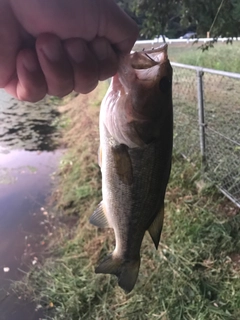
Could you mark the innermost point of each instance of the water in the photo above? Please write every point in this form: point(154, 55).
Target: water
point(28, 126)
point(26, 166)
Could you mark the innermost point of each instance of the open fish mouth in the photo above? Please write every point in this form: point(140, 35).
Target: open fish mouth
point(154, 56)
point(144, 64)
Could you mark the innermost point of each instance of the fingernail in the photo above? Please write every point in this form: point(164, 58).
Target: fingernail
point(53, 51)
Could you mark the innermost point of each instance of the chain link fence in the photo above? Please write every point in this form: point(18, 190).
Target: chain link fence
point(207, 123)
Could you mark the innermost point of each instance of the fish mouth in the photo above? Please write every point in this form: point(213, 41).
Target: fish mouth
point(146, 59)
point(143, 65)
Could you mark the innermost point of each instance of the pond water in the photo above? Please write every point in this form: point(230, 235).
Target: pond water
point(28, 160)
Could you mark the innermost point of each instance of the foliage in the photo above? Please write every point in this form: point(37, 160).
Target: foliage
point(175, 17)
point(158, 17)
point(220, 17)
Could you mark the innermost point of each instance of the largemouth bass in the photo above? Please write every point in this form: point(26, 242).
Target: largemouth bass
point(136, 129)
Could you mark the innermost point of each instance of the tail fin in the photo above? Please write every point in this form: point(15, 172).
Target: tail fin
point(126, 271)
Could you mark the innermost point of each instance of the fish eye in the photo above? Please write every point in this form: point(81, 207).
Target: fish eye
point(165, 84)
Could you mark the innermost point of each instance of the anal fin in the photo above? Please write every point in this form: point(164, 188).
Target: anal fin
point(98, 218)
point(155, 228)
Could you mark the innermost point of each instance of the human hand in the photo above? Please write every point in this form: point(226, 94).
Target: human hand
point(58, 46)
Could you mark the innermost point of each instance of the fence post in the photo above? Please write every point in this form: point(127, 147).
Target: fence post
point(201, 112)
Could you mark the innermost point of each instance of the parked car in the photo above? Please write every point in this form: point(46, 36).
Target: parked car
point(189, 35)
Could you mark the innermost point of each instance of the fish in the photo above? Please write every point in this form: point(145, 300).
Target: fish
point(136, 137)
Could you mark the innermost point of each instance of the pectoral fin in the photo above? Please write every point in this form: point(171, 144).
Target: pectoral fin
point(123, 164)
point(155, 228)
point(98, 218)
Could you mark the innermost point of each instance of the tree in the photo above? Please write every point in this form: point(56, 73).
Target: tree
point(175, 17)
point(156, 16)
point(220, 17)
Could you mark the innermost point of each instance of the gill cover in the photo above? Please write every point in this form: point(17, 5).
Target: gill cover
point(137, 98)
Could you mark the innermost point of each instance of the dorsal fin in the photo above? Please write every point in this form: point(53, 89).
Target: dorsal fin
point(155, 228)
point(98, 218)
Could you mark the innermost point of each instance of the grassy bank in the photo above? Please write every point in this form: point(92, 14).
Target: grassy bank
point(221, 56)
point(195, 274)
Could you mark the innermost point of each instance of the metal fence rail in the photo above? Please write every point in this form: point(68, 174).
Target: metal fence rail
point(207, 123)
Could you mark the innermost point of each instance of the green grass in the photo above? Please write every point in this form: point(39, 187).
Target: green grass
point(221, 57)
point(193, 276)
